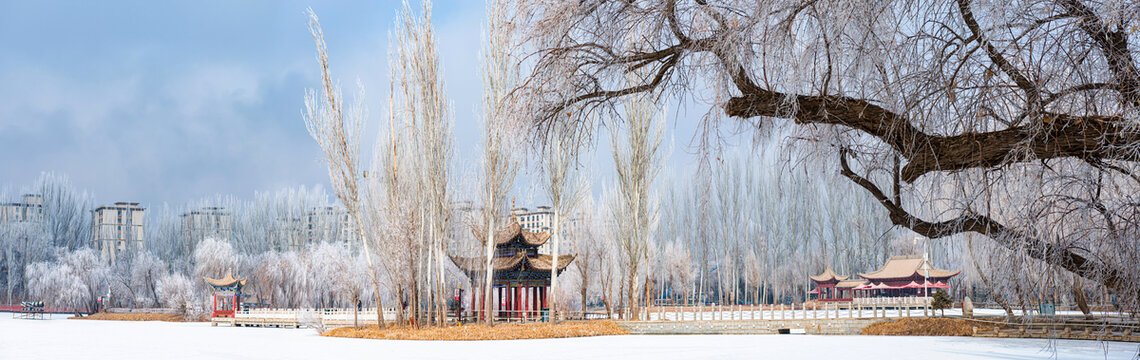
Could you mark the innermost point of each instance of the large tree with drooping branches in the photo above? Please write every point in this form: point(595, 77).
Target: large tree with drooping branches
point(1018, 121)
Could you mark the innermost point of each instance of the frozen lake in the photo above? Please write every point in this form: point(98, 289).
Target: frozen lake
point(120, 340)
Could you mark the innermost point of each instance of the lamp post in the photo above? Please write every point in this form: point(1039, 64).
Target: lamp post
point(925, 275)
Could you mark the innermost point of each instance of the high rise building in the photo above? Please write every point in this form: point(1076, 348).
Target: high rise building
point(30, 208)
point(289, 233)
point(539, 220)
point(116, 229)
point(319, 225)
point(208, 222)
point(330, 224)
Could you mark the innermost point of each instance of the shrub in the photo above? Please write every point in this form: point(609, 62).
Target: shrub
point(941, 301)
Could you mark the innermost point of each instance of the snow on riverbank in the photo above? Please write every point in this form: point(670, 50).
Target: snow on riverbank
point(737, 314)
point(123, 340)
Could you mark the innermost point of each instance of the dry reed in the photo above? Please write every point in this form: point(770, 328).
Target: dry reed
point(136, 317)
point(483, 332)
point(922, 327)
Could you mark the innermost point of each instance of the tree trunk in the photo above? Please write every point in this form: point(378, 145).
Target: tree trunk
point(631, 289)
point(356, 310)
point(379, 306)
point(489, 252)
point(583, 290)
point(1080, 298)
point(554, 272)
point(621, 300)
point(401, 316)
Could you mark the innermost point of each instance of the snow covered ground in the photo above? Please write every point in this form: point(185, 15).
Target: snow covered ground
point(87, 339)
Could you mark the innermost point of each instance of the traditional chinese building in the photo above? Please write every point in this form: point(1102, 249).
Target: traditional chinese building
point(521, 277)
point(834, 287)
point(901, 276)
point(227, 294)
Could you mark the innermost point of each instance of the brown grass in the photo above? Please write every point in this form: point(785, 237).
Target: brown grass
point(135, 317)
point(923, 327)
point(482, 332)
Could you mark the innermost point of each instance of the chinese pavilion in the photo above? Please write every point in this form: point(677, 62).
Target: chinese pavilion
point(521, 278)
point(227, 294)
point(834, 287)
point(901, 276)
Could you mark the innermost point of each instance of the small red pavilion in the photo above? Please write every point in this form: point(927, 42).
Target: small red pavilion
point(521, 277)
point(834, 287)
point(227, 294)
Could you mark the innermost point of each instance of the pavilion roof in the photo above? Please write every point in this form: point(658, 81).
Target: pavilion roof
point(537, 263)
point(478, 263)
point(850, 283)
point(228, 280)
point(828, 275)
point(545, 262)
point(906, 266)
point(512, 231)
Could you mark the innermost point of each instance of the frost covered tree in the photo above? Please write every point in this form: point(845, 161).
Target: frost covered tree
point(75, 280)
point(350, 284)
point(499, 167)
point(267, 276)
point(638, 160)
point(337, 276)
point(56, 284)
point(678, 270)
point(66, 218)
point(753, 275)
point(565, 189)
point(587, 246)
point(613, 269)
point(391, 216)
point(21, 244)
point(146, 270)
point(212, 258)
point(421, 99)
point(338, 135)
point(176, 291)
point(91, 271)
point(956, 102)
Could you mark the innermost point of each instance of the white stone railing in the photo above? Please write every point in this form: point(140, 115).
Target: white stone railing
point(297, 317)
point(893, 301)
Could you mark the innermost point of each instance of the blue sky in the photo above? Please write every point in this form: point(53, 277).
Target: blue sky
point(159, 101)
